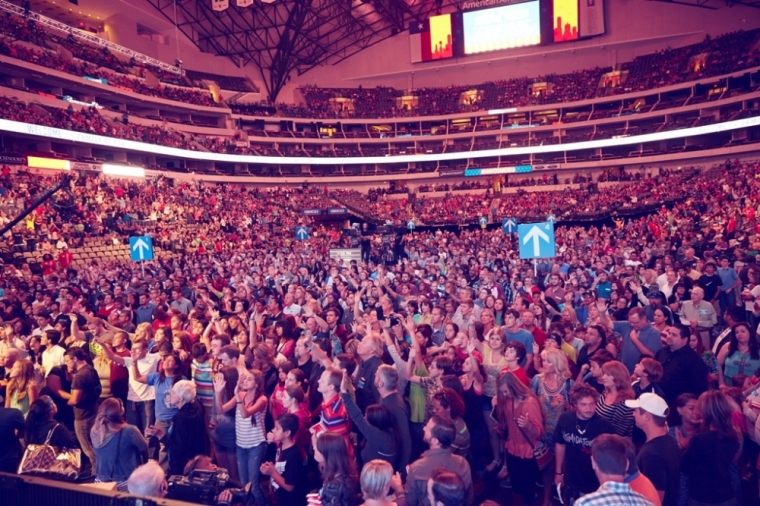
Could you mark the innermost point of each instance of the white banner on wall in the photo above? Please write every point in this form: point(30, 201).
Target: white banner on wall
point(244, 3)
point(220, 5)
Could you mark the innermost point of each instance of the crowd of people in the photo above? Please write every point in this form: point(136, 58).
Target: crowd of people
point(438, 369)
point(711, 57)
point(90, 61)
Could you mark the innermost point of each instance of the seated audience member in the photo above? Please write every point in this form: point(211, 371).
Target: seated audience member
point(148, 480)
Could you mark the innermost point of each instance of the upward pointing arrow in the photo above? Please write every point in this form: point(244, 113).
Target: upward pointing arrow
point(510, 224)
point(141, 247)
point(536, 235)
point(301, 233)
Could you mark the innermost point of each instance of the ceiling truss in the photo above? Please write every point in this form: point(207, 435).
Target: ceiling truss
point(289, 36)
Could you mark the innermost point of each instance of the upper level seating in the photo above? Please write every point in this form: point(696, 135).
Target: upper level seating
point(225, 82)
point(89, 60)
point(711, 57)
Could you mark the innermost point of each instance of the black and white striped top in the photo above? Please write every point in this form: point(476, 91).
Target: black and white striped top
point(618, 414)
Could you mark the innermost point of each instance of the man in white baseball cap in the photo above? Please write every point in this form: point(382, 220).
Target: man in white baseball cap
point(659, 459)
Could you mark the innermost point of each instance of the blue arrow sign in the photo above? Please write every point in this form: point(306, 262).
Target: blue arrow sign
point(551, 218)
point(536, 240)
point(509, 225)
point(302, 233)
point(411, 225)
point(141, 248)
point(483, 221)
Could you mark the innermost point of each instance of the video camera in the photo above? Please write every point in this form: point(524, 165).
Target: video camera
point(203, 487)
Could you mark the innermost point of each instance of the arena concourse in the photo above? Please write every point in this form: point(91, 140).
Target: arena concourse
point(401, 253)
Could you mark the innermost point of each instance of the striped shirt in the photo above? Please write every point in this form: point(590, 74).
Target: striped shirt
point(334, 416)
point(204, 382)
point(618, 414)
point(247, 433)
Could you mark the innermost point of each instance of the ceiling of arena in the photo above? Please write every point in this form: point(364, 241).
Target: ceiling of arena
point(285, 36)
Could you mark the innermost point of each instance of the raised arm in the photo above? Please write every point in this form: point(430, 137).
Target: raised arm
point(113, 357)
point(140, 378)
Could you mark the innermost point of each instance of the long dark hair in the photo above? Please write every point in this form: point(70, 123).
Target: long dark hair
point(231, 377)
point(337, 462)
point(754, 346)
point(379, 416)
point(40, 411)
point(177, 370)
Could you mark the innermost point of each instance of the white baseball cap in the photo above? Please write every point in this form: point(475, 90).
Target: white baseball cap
point(651, 403)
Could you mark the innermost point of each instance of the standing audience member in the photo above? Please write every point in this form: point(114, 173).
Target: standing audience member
point(611, 404)
point(119, 447)
point(439, 434)
point(610, 463)
point(519, 415)
point(11, 427)
point(683, 371)
point(659, 459)
point(340, 483)
point(375, 482)
point(573, 435)
point(188, 436)
point(250, 432)
point(22, 389)
point(40, 424)
point(288, 472)
point(85, 392)
point(711, 453)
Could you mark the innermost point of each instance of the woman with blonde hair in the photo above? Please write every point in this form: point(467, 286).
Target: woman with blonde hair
point(22, 389)
point(552, 388)
point(487, 319)
point(119, 447)
point(611, 404)
point(375, 482)
point(519, 415)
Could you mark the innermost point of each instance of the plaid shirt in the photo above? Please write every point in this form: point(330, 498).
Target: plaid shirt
point(612, 493)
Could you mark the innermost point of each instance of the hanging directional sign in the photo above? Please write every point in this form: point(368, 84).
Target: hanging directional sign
point(483, 221)
point(551, 218)
point(536, 240)
point(302, 233)
point(411, 225)
point(141, 248)
point(509, 225)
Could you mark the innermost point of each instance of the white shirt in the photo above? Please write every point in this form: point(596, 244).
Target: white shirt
point(293, 309)
point(38, 331)
point(52, 357)
point(139, 392)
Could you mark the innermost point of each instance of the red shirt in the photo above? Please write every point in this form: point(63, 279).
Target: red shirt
point(334, 416)
point(65, 259)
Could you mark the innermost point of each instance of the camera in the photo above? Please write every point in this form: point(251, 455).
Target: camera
point(203, 487)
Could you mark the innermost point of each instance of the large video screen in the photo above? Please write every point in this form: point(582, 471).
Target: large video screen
point(431, 39)
point(565, 20)
point(506, 27)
